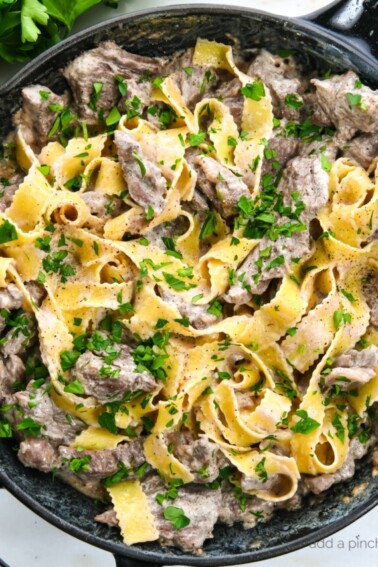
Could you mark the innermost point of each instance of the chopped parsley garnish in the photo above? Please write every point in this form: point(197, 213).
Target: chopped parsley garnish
point(75, 387)
point(196, 139)
point(97, 89)
point(175, 283)
point(8, 232)
point(122, 474)
point(68, 359)
point(139, 161)
point(113, 117)
point(209, 226)
point(306, 424)
point(176, 516)
point(261, 470)
point(340, 430)
point(254, 91)
point(151, 355)
point(80, 464)
point(293, 100)
point(325, 163)
point(30, 427)
point(340, 317)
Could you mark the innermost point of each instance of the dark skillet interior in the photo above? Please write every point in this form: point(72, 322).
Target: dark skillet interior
point(162, 32)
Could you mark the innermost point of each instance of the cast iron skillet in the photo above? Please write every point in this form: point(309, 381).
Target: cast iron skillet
point(161, 32)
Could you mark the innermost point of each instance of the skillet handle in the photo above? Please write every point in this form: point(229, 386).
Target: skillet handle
point(353, 21)
point(122, 561)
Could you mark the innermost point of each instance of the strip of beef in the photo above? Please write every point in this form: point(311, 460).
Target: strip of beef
point(101, 65)
point(137, 97)
point(10, 297)
point(353, 368)
point(12, 370)
point(145, 183)
point(170, 229)
point(8, 188)
point(247, 510)
point(37, 291)
point(39, 406)
point(228, 92)
point(200, 455)
point(304, 176)
point(349, 105)
point(198, 315)
point(108, 517)
point(223, 187)
point(38, 454)
point(103, 463)
point(38, 113)
point(283, 149)
point(370, 289)
point(110, 382)
point(18, 340)
point(282, 78)
point(193, 500)
point(103, 206)
point(363, 149)
point(320, 483)
point(194, 82)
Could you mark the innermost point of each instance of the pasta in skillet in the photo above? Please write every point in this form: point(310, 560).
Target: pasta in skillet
point(189, 280)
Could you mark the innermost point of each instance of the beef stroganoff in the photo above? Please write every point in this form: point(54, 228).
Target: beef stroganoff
point(189, 278)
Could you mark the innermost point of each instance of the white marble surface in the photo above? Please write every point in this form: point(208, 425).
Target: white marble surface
point(28, 541)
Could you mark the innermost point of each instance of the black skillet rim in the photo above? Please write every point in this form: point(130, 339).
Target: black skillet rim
point(120, 549)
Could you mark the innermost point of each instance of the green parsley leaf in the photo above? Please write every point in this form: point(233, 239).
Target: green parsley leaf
point(340, 317)
point(348, 295)
point(354, 99)
point(80, 464)
point(139, 161)
point(113, 117)
point(30, 426)
point(68, 359)
point(293, 100)
point(340, 430)
point(196, 139)
point(325, 163)
point(261, 470)
point(254, 91)
point(305, 424)
point(8, 232)
point(209, 226)
point(75, 387)
point(176, 516)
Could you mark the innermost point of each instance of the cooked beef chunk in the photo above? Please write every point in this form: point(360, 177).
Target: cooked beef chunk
point(228, 92)
point(370, 289)
point(315, 112)
point(108, 517)
point(12, 370)
point(284, 149)
point(37, 404)
point(201, 456)
point(110, 382)
point(90, 487)
point(193, 500)
point(195, 83)
point(305, 176)
point(363, 149)
point(353, 368)
point(38, 114)
point(248, 510)
point(16, 341)
point(322, 482)
point(282, 78)
point(226, 188)
point(137, 97)
point(38, 454)
point(103, 206)
point(144, 180)
point(349, 106)
point(10, 297)
point(104, 463)
point(37, 291)
point(256, 280)
point(169, 229)
point(101, 65)
point(8, 189)
point(198, 315)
